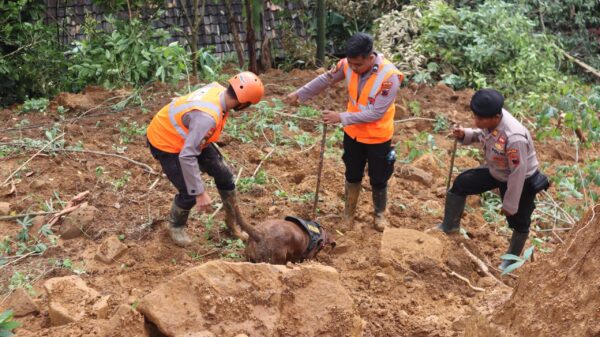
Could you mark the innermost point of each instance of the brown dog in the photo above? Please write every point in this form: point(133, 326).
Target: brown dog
point(280, 241)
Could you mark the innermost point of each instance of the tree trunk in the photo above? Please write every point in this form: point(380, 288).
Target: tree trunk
point(250, 38)
point(320, 33)
point(265, 48)
point(233, 28)
point(193, 22)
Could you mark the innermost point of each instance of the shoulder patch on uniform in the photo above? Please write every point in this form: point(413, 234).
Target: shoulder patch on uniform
point(387, 85)
point(509, 151)
point(514, 158)
point(502, 140)
point(495, 132)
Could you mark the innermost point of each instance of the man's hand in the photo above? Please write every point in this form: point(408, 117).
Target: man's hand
point(331, 117)
point(203, 202)
point(459, 132)
point(505, 212)
point(292, 99)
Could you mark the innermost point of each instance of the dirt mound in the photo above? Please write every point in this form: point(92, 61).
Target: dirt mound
point(563, 303)
point(227, 299)
point(90, 98)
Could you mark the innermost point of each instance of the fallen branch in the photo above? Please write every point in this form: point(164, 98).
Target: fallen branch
point(18, 216)
point(580, 63)
point(582, 228)
point(72, 205)
point(482, 266)
point(31, 158)
point(460, 277)
point(414, 119)
point(146, 167)
point(19, 259)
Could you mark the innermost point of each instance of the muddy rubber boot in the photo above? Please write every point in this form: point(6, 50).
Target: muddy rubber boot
point(453, 211)
point(379, 203)
point(177, 220)
point(231, 213)
point(517, 242)
point(351, 193)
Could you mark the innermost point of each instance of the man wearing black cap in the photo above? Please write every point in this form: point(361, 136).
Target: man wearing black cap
point(510, 165)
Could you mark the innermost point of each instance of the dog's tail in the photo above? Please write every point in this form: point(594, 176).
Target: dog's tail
point(246, 227)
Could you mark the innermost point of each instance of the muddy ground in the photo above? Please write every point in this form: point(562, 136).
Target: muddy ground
point(415, 296)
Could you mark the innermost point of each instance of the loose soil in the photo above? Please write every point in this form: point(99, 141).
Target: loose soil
point(411, 294)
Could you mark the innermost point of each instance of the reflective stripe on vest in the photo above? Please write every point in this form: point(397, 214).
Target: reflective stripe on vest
point(167, 132)
point(378, 131)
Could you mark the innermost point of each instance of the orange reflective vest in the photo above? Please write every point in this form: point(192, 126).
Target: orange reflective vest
point(167, 133)
point(379, 131)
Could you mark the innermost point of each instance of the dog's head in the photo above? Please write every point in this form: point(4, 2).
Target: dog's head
point(327, 240)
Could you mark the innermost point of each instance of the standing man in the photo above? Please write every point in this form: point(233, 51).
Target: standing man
point(368, 123)
point(510, 164)
point(181, 137)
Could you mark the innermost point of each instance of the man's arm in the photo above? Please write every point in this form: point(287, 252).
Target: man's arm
point(320, 83)
point(517, 162)
point(199, 125)
point(471, 136)
point(375, 111)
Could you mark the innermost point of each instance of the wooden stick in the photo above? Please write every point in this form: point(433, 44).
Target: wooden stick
point(31, 158)
point(482, 266)
point(451, 164)
point(320, 170)
point(262, 161)
point(460, 277)
point(314, 120)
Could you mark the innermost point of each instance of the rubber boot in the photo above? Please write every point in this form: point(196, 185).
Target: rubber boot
point(177, 220)
point(517, 242)
point(229, 199)
point(453, 211)
point(379, 203)
point(352, 191)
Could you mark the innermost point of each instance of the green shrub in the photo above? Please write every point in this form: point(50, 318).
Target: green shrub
point(31, 61)
point(7, 325)
point(494, 44)
point(132, 54)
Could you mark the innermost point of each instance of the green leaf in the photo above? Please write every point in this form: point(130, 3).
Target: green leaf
point(510, 257)
point(513, 267)
point(528, 253)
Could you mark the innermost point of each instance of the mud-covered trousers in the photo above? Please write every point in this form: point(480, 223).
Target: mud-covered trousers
point(210, 162)
point(479, 180)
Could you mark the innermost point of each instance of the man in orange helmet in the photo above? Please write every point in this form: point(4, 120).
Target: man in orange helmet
point(181, 137)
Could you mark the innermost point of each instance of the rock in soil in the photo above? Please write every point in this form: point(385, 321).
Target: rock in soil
point(256, 299)
point(414, 174)
point(70, 300)
point(110, 249)
point(20, 303)
point(4, 208)
point(77, 222)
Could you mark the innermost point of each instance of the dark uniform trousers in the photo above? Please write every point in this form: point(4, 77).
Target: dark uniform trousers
point(479, 180)
point(356, 155)
point(210, 161)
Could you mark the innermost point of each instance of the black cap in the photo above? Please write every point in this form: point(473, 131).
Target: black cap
point(487, 103)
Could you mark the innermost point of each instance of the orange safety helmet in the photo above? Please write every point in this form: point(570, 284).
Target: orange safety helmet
point(247, 87)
